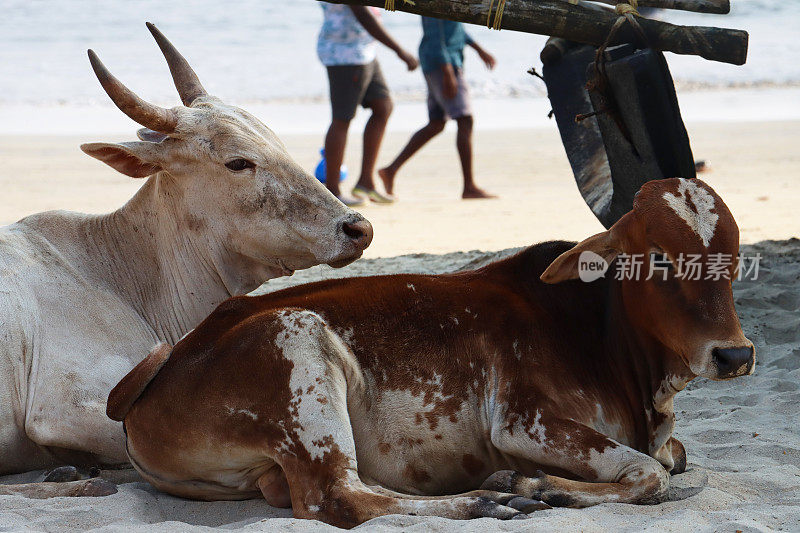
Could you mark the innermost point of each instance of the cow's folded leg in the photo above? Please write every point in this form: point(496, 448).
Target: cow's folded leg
point(82, 434)
point(317, 453)
point(63, 481)
point(275, 488)
point(515, 501)
point(62, 474)
point(333, 493)
point(611, 471)
point(86, 487)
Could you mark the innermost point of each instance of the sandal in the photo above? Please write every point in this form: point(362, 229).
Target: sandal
point(351, 201)
point(373, 195)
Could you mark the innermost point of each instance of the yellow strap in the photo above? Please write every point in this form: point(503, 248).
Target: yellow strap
point(389, 5)
point(498, 15)
point(623, 8)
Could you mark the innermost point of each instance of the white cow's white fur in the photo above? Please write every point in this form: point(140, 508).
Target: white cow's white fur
point(83, 298)
point(701, 219)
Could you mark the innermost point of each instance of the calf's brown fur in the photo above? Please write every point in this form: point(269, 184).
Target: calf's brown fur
point(354, 398)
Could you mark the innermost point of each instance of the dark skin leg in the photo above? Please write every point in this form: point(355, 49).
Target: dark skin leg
point(464, 145)
point(373, 136)
point(417, 141)
point(335, 141)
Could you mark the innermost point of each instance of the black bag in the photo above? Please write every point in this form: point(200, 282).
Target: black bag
point(632, 131)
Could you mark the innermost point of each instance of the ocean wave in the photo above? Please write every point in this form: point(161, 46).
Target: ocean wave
point(265, 52)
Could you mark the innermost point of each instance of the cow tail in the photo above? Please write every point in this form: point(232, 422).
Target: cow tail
point(124, 395)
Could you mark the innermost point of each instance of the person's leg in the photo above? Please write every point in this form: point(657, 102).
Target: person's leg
point(436, 122)
point(348, 83)
point(335, 141)
point(373, 136)
point(464, 145)
point(460, 109)
point(377, 98)
point(417, 141)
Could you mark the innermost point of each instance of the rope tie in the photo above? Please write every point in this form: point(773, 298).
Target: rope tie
point(498, 15)
point(627, 13)
point(623, 9)
point(389, 5)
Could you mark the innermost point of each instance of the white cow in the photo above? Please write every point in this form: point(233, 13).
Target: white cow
point(83, 298)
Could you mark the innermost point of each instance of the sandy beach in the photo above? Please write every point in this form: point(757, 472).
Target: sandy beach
point(741, 439)
point(754, 167)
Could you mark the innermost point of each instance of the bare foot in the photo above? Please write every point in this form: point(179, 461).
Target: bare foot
point(476, 193)
point(387, 177)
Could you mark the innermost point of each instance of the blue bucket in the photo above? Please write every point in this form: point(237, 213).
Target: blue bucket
point(319, 172)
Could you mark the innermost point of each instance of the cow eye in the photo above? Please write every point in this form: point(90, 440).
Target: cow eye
point(661, 260)
point(239, 164)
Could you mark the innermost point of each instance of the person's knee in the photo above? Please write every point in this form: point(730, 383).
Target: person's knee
point(339, 125)
point(464, 123)
point(382, 108)
point(436, 126)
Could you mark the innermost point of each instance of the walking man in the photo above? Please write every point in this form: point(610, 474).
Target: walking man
point(346, 46)
point(441, 54)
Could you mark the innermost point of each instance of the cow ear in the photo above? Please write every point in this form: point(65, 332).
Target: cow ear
point(146, 134)
point(607, 245)
point(134, 159)
point(565, 266)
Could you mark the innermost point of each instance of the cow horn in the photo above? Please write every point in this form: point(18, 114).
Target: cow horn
point(148, 115)
point(186, 81)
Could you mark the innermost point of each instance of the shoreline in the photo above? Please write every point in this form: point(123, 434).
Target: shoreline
point(301, 117)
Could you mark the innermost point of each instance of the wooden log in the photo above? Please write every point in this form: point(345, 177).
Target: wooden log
point(720, 7)
point(559, 18)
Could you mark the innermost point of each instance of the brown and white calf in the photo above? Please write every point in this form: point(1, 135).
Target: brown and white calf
point(83, 297)
point(349, 399)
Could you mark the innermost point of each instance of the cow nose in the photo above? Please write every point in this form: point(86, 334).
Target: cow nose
point(730, 360)
point(359, 231)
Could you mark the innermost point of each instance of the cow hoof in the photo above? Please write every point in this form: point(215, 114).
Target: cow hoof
point(97, 487)
point(501, 481)
point(527, 505)
point(62, 474)
point(486, 508)
point(679, 468)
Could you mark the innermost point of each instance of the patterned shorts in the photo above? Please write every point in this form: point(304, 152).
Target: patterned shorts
point(439, 107)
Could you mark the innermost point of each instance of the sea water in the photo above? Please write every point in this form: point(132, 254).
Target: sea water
point(265, 50)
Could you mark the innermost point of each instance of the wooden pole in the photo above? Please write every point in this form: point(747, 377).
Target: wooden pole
point(720, 7)
point(582, 24)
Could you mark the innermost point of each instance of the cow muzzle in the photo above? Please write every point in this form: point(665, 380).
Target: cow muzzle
point(733, 362)
point(359, 231)
point(357, 234)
